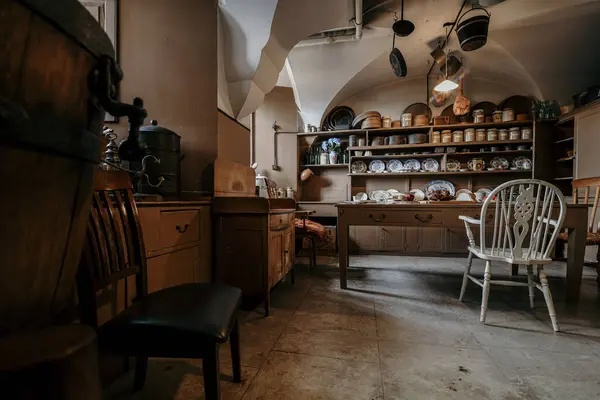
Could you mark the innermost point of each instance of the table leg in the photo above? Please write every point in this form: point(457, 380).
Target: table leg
point(343, 253)
point(575, 256)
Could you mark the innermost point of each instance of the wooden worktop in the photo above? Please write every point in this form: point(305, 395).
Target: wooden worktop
point(174, 203)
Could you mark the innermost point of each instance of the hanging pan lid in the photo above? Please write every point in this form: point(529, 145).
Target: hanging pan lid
point(403, 27)
point(398, 64)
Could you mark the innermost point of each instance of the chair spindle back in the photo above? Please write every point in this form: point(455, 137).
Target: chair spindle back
point(588, 184)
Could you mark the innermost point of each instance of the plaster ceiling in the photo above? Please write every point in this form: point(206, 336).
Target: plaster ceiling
point(543, 47)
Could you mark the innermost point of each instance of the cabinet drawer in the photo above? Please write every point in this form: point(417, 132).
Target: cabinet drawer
point(279, 222)
point(178, 227)
point(172, 269)
point(413, 218)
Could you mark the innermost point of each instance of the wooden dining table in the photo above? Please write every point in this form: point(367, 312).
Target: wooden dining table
point(445, 215)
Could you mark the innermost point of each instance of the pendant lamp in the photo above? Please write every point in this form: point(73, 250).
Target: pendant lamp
point(446, 85)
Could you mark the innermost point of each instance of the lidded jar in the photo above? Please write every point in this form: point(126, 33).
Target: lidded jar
point(447, 136)
point(515, 133)
point(502, 134)
point(457, 136)
point(480, 135)
point(469, 135)
point(478, 116)
point(492, 134)
point(436, 137)
point(526, 133)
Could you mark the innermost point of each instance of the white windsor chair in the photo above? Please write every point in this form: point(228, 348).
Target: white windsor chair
point(523, 232)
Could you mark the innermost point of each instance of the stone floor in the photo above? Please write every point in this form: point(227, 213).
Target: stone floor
point(400, 333)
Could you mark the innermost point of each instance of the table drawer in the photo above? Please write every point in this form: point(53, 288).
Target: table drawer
point(178, 227)
point(414, 218)
point(279, 222)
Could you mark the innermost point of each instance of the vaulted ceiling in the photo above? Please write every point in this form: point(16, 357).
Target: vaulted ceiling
point(543, 48)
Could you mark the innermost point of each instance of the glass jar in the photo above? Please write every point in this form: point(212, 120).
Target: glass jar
point(447, 136)
point(502, 134)
point(497, 116)
point(478, 116)
point(386, 122)
point(406, 120)
point(526, 133)
point(436, 137)
point(492, 134)
point(469, 135)
point(458, 137)
point(515, 133)
point(480, 135)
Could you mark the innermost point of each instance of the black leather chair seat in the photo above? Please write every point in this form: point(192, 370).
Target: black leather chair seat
point(181, 317)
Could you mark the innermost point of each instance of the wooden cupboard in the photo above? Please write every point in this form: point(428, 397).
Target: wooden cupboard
point(254, 244)
point(177, 236)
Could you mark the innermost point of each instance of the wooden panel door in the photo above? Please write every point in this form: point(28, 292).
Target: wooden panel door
point(456, 241)
point(172, 269)
point(430, 240)
point(393, 239)
point(275, 258)
point(288, 251)
point(365, 239)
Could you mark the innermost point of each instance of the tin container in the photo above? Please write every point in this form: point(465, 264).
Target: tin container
point(526, 133)
point(458, 136)
point(406, 120)
point(497, 116)
point(515, 133)
point(492, 134)
point(386, 122)
point(469, 135)
point(480, 135)
point(502, 134)
point(447, 136)
point(436, 137)
point(478, 116)
point(508, 115)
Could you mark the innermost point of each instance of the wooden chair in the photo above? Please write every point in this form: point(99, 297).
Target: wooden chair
point(301, 232)
point(593, 236)
point(524, 233)
point(186, 321)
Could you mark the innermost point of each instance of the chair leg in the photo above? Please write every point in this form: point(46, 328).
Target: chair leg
point(210, 371)
point(313, 255)
point(598, 267)
point(463, 288)
point(141, 369)
point(486, 291)
point(531, 284)
point(234, 342)
point(548, 297)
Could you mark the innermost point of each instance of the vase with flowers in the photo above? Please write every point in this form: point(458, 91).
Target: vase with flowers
point(332, 146)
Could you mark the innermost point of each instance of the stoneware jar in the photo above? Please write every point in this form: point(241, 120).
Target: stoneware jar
point(526, 133)
point(478, 116)
point(508, 115)
point(515, 133)
point(492, 134)
point(469, 135)
point(503, 134)
point(480, 135)
point(406, 120)
point(436, 137)
point(497, 116)
point(457, 136)
point(447, 136)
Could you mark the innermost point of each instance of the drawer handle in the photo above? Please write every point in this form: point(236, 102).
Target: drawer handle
point(429, 218)
point(488, 218)
point(377, 219)
point(181, 230)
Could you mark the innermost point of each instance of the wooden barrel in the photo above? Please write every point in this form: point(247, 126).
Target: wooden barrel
point(50, 127)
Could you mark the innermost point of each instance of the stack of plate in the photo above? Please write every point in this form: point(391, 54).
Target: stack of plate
point(356, 123)
point(371, 123)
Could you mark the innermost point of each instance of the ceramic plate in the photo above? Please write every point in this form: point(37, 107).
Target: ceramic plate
point(431, 165)
point(393, 192)
point(395, 166)
point(412, 165)
point(452, 165)
point(499, 163)
point(419, 194)
point(481, 194)
point(461, 191)
point(380, 195)
point(359, 167)
point(518, 162)
point(440, 185)
point(361, 196)
point(465, 196)
point(377, 166)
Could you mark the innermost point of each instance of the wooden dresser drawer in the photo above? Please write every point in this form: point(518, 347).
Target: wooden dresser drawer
point(279, 222)
point(178, 227)
point(173, 269)
point(416, 218)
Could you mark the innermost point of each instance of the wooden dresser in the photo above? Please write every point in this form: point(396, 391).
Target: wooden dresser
point(254, 236)
point(177, 235)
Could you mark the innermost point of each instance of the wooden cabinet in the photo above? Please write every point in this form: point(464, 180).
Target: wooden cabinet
point(587, 142)
point(177, 236)
point(254, 245)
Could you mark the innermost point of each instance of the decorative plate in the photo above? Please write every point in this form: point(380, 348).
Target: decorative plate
point(499, 163)
point(395, 166)
point(377, 166)
point(452, 165)
point(393, 192)
point(465, 196)
point(518, 162)
point(440, 185)
point(361, 196)
point(461, 191)
point(359, 167)
point(431, 165)
point(380, 195)
point(412, 165)
point(419, 194)
point(481, 194)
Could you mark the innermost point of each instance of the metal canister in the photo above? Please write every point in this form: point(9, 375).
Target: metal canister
point(503, 134)
point(406, 120)
point(447, 136)
point(478, 116)
point(469, 135)
point(436, 137)
point(526, 133)
point(458, 137)
point(480, 135)
point(492, 134)
point(386, 122)
point(508, 115)
point(515, 133)
point(497, 116)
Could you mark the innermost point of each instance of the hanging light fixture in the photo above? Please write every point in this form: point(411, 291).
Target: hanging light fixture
point(446, 85)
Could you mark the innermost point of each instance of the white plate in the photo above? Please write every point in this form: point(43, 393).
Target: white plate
point(359, 167)
point(461, 191)
point(419, 194)
point(377, 166)
point(412, 165)
point(431, 165)
point(465, 196)
point(452, 165)
point(395, 166)
point(361, 196)
point(380, 195)
point(393, 192)
point(481, 194)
